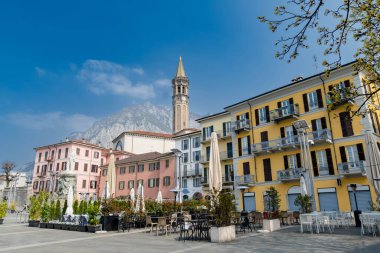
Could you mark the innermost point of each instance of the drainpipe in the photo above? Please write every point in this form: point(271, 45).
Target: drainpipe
point(253, 140)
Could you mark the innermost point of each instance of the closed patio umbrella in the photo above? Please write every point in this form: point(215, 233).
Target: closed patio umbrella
point(303, 186)
point(215, 169)
point(132, 195)
point(138, 199)
point(70, 197)
point(111, 175)
point(159, 197)
point(373, 163)
point(106, 192)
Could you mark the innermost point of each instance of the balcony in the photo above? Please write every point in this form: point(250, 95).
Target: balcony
point(323, 135)
point(242, 125)
point(205, 159)
point(245, 179)
point(204, 180)
point(289, 175)
point(356, 168)
point(192, 173)
point(228, 180)
point(286, 112)
point(225, 155)
point(338, 97)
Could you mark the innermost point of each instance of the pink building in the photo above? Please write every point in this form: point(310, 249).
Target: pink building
point(155, 170)
point(52, 160)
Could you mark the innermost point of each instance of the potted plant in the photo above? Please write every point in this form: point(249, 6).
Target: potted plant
point(222, 208)
point(45, 213)
point(3, 210)
point(271, 221)
point(304, 202)
point(93, 220)
point(35, 209)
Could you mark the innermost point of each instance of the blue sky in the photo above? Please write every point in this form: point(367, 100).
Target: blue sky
point(65, 64)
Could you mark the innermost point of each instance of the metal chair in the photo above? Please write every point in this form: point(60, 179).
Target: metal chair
point(149, 223)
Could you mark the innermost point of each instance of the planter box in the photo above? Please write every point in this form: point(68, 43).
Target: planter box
point(73, 227)
point(271, 225)
point(34, 223)
point(64, 226)
point(93, 229)
point(57, 226)
point(43, 224)
point(222, 234)
point(82, 228)
point(50, 225)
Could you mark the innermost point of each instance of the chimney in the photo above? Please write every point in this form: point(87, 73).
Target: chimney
point(296, 79)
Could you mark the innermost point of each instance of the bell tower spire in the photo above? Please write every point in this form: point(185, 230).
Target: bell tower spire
point(180, 84)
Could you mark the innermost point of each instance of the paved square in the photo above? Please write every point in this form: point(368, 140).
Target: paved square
point(20, 238)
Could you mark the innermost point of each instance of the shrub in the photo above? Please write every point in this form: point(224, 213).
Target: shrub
point(93, 211)
point(35, 206)
point(75, 207)
point(304, 202)
point(223, 207)
point(64, 207)
point(57, 215)
point(273, 199)
point(45, 212)
point(3, 209)
point(52, 210)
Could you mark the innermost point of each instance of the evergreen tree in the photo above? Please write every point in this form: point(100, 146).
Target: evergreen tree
point(57, 210)
point(64, 207)
point(75, 207)
point(52, 210)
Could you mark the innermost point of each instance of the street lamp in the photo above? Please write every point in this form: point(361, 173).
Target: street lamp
point(175, 191)
point(178, 174)
point(301, 126)
point(242, 189)
point(53, 179)
point(357, 212)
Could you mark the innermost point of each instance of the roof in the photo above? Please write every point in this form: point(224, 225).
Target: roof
point(180, 69)
point(211, 116)
point(146, 133)
point(143, 157)
point(285, 86)
point(81, 142)
point(186, 131)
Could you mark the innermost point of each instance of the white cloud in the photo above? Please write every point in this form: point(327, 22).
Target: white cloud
point(107, 77)
point(40, 71)
point(164, 82)
point(52, 120)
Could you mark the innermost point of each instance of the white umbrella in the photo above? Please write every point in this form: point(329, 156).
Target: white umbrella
point(159, 197)
point(373, 166)
point(138, 200)
point(132, 195)
point(111, 175)
point(303, 186)
point(70, 196)
point(215, 169)
point(106, 192)
point(142, 199)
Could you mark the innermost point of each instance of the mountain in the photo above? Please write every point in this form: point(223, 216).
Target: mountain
point(145, 117)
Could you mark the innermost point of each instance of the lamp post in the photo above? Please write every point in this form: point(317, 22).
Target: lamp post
point(301, 126)
point(242, 189)
point(178, 173)
point(175, 191)
point(53, 179)
point(357, 212)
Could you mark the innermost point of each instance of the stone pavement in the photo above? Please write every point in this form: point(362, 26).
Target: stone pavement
point(20, 238)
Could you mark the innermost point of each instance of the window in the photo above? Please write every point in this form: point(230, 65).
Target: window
point(352, 153)
point(87, 153)
point(228, 173)
point(122, 170)
point(196, 142)
point(227, 128)
point(152, 166)
point(167, 163)
point(185, 170)
point(207, 153)
point(64, 166)
point(244, 145)
point(184, 183)
point(246, 169)
point(93, 184)
point(59, 153)
point(140, 168)
point(52, 154)
point(39, 157)
point(158, 165)
point(84, 184)
point(35, 185)
point(157, 182)
point(292, 160)
point(185, 144)
point(121, 185)
point(42, 185)
point(262, 115)
point(267, 170)
point(46, 155)
point(140, 181)
point(312, 100)
point(131, 184)
point(66, 152)
point(196, 156)
point(104, 172)
point(346, 124)
point(132, 169)
point(96, 154)
point(85, 166)
point(207, 132)
point(167, 181)
point(197, 182)
point(322, 162)
point(151, 182)
point(38, 169)
point(185, 157)
point(197, 169)
point(101, 161)
point(78, 151)
point(76, 166)
point(57, 167)
point(94, 168)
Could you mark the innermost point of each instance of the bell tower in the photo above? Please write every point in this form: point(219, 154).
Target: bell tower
point(180, 84)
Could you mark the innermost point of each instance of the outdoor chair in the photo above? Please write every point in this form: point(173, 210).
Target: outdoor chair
point(252, 221)
point(259, 218)
point(204, 229)
point(368, 225)
point(325, 222)
point(306, 220)
point(284, 215)
point(295, 219)
point(162, 225)
point(150, 224)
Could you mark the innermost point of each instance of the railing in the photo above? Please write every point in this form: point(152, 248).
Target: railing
point(357, 167)
point(245, 179)
point(204, 180)
point(192, 173)
point(320, 135)
point(323, 170)
point(243, 124)
point(228, 179)
point(225, 155)
point(289, 174)
point(340, 97)
point(284, 112)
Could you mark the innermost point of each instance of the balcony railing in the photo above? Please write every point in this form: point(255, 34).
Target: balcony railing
point(205, 159)
point(285, 112)
point(351, 168)
point(192, 173)
point(228, 179)
point(289, 174)
point(320, 135)
point(245, 179)
point(204, 180)
point(340, 97)
point(242, 125)
point(225, 155)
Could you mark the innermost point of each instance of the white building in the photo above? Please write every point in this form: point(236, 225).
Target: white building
point(189, 171)
point(139, 142)
point(19, 180)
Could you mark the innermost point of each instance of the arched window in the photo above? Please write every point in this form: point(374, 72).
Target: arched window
point(119, 145)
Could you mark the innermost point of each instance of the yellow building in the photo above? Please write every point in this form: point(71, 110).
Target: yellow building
point(266, 146)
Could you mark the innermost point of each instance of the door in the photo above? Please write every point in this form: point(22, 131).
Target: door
point(249, 201)
point(363, 198)
point(289, 133)
point(285, 108)
point(291, 198)
point(327, 199)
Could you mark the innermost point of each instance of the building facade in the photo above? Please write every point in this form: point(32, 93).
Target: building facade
point(180, 98)
point(155, 171)
point(189, 171)
point(266, 146)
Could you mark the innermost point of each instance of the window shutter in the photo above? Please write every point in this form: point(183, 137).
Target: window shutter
point(359, 146)
point(257, 117)
point(237, 117)
point(347, 83)
point(224, 128)
point(282, 130)
point(346, 124)
point(204, 134)
point(291, 101)
point(239, 147)
point(329, 161)
point(286, 163)
point(264, 136)
point(279, 104)
point(249, 144)
point(294, 131)
point(343, 154)
point(305, 102)
point(246, 169)
point(314, 163)
point(267, 170)
point(330, 87)
point(212, 128)
point(323, 123)
point(247, 115)
point(320, 99)
point(313, 125)
point(267, 113)
point(299, 165)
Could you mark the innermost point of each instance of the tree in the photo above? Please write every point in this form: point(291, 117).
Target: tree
point(335, 22)
point(304, 202)
point(64, 207)
point(7, 169)
point(273, 199)
point(58, 210)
